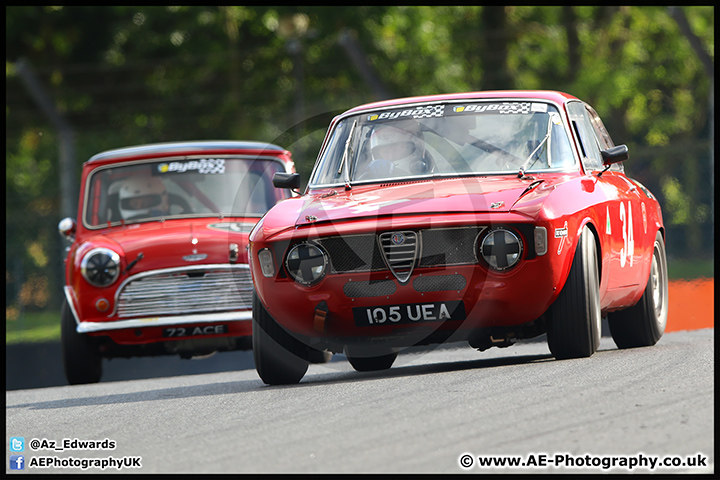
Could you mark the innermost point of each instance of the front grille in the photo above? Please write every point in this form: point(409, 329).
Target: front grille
point(440, 247)
point(182, 291)
point(353, 253)
point(400, 250)
point(449, 246)
point(372, 288)
point(439, 283)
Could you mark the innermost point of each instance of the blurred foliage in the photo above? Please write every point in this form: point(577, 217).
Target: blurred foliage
point(128, 75)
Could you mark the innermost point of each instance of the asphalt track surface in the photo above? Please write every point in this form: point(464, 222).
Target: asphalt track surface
point(421, 416)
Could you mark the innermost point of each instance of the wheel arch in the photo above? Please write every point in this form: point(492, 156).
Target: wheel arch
point(72, 303)
point(598, 247)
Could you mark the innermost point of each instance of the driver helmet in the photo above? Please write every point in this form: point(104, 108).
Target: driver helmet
point(405, 149)
point(143, 197)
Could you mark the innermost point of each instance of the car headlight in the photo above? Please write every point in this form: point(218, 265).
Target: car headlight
point(100, 267)
point(306, 263)
point(266, 263)
point(501, 248)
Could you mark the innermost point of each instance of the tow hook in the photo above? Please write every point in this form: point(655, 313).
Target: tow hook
point(321, 313)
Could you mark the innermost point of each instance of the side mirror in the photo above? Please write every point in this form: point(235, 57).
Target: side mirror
point(67, 227)
point(286, 180)
point(615, 154)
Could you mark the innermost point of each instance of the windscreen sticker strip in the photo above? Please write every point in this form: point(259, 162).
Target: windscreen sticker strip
point(205, 166)
point(429, 111)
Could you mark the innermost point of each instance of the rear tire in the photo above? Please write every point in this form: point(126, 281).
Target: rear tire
point(643, 324)
point(81, 358)
point(574, 321)
point(277, 354)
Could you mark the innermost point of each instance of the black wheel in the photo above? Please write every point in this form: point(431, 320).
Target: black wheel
point(369, 359)
point(81, 359)
point(279, 357)
point(643, 324)
point(574, 319)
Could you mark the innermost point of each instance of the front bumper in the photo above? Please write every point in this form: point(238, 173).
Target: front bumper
point(147, 303)
point(94, 327)
point(328, 312)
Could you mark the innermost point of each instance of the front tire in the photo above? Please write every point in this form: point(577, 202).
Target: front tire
point(574, 321)
point(81, 359)
point(643, 324)
point(275, 351)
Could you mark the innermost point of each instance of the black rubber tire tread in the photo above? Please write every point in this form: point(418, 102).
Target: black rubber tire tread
point(371, 364)
point(280, 359)
point(81, 359)
point(574, 318)
point(638, 326)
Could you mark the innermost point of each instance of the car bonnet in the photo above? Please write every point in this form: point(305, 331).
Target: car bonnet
point(430, 196)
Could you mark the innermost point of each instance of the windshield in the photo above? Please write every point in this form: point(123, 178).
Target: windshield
point(183, 187)
point(488, 137)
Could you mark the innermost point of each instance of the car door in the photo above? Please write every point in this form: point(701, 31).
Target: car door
point(621, 210)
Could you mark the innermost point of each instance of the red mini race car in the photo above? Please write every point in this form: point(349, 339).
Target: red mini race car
point(483, 217)
point(158, 260)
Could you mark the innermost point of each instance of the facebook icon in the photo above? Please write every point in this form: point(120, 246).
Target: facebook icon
point(17, 462)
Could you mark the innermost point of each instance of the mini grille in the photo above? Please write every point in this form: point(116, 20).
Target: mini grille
point(371, 288)
point(400, 250)
point(186, 292)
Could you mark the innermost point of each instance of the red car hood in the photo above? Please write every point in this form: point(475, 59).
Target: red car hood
point(471, 194)
point(181, 242)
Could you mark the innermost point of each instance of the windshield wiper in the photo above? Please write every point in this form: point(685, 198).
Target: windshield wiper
point(531, 158)
point(343, 161)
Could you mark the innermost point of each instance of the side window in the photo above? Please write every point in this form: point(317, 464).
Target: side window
point(583, 128)
point(326, 170)
point(603, 136)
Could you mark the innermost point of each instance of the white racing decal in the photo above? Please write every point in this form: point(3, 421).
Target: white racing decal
point(426, 111)
point(502, 108)
point(608, 229)
point(627, 233)
point(204, 166)
point(561, 233)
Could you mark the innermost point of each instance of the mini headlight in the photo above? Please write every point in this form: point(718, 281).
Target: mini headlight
point(501, 248)
point(100, 267)
point(306, 263)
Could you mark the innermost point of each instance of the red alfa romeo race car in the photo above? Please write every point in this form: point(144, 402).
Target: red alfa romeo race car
point(483, 217)
point(158, 260)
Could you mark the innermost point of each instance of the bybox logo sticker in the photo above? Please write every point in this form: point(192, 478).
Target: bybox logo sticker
point(17, 444)
point(17, 462)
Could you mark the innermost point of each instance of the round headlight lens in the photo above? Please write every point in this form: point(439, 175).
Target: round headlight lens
point(306, 263)
point(100, 267)
point(501, 248)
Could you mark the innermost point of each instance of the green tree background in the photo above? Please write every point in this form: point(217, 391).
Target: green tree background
point(123, 76)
